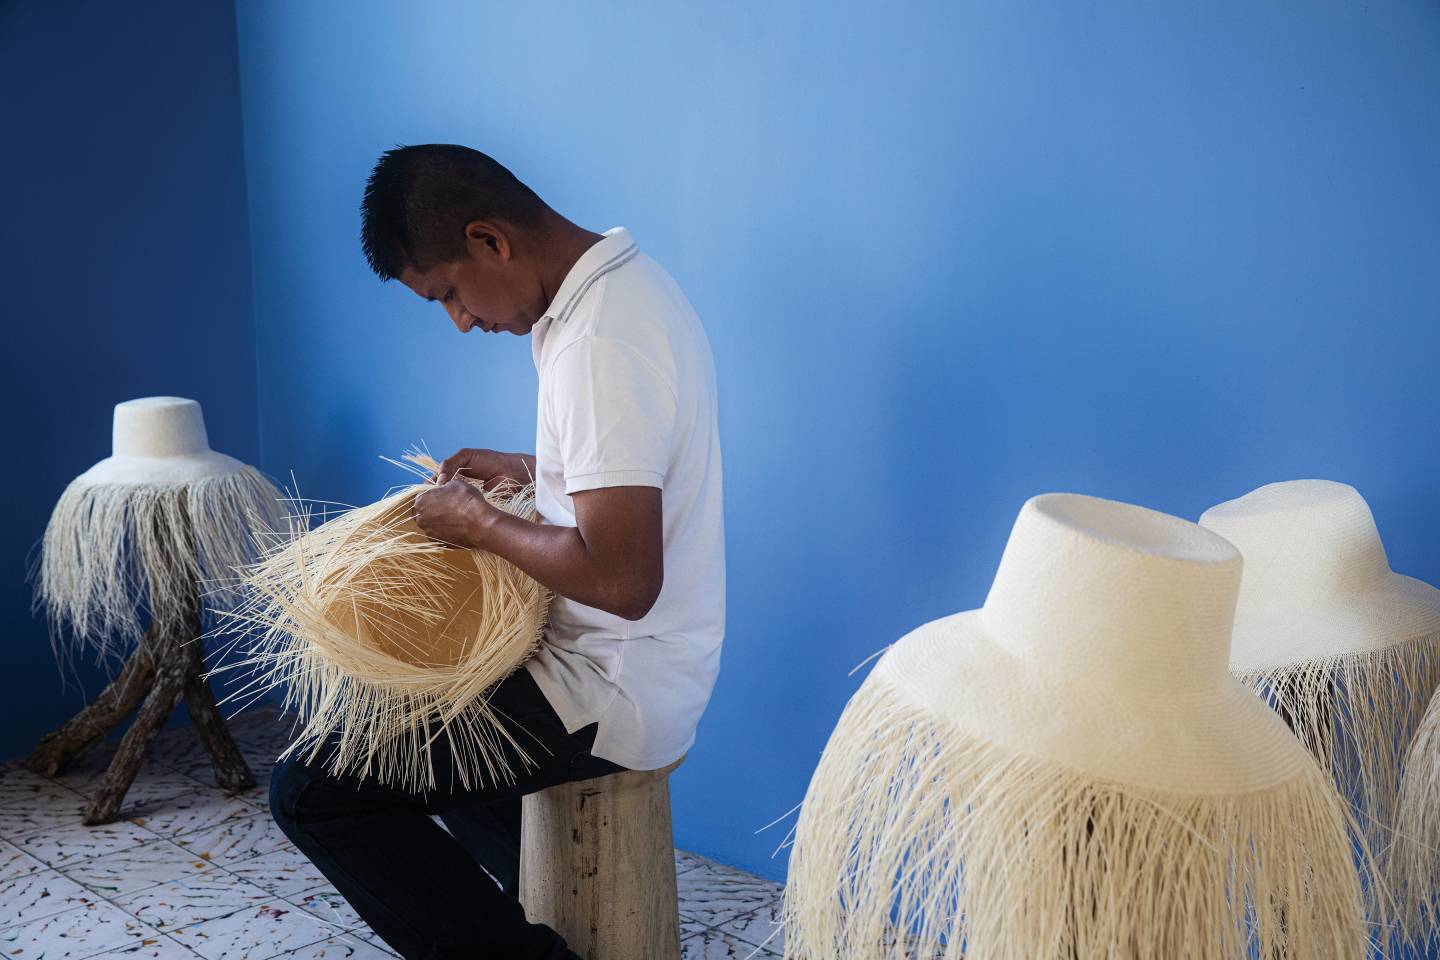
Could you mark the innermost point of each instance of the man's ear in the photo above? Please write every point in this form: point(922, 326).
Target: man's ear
point(489, 235)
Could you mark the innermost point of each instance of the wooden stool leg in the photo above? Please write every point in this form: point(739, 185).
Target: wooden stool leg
point(597, 863)
point(231, 771)
point(168, 689)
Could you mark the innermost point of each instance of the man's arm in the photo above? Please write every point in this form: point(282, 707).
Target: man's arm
point(612, 559)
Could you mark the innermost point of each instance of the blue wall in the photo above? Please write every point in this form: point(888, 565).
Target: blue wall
point(126, 258)
point(949, 257)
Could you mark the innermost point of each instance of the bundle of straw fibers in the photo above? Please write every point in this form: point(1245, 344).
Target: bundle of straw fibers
point(383, 638)
point(147, 528)
point(1346, 650)
point(1070, 772)
point(1414, 860)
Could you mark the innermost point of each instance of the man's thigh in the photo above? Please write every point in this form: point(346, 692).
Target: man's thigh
point(535, 747)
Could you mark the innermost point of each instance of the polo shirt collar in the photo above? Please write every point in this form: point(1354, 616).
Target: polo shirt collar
point(605, 255)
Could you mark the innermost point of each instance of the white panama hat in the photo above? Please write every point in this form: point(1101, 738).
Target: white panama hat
point(1343, 647)
point(160, 440)
point(161, 518)
point(1070, 770)
point(1317, 580)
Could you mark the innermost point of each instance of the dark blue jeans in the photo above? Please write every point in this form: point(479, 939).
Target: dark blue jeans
point(425, 891)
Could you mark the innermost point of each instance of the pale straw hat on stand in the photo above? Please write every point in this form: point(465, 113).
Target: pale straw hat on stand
point(1344, 648)
point(144, 528)
point(383, 639)
point(1070, 771)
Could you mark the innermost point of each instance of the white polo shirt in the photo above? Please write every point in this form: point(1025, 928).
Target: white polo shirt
point(627, 398)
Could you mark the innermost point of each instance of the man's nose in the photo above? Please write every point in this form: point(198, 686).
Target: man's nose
point(457, 317)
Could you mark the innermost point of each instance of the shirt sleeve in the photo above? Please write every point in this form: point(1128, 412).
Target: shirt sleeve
point(614, 416)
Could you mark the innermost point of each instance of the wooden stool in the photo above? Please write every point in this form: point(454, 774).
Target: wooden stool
point(597, 863)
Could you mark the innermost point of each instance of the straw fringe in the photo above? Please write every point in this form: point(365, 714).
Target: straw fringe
point(114, 554)
point(1414, 863)
point(1357, 714)
point(351, 620)
point(964, 849)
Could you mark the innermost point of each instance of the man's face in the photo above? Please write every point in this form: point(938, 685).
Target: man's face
point(487, 289)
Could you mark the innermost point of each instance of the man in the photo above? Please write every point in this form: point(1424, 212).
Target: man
point(627, 474)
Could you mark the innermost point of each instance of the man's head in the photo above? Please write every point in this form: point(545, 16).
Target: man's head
point(456, 227)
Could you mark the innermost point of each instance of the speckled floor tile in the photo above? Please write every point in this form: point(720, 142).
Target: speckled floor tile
point(19, 786)
point(88, 767)
point(714, 945)
point(15, 862)
point(20, 819)
point(282, 872)
point(714, 894)
point(37, 895)
point(153, 783)
point(126, 871)
point(153, 948)
point(236, 839)
point(685, 860)
point(64, 845)
point(181, 903)
point(74, 934)
point(199, 809)
point(255, 933)
point(374, 940)
point(341, 948)
point(760, 927)
point(326, 903)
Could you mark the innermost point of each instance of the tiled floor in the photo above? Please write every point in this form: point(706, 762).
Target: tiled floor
point(193, 872)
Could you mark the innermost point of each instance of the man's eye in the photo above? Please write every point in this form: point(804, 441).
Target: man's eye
point(449, 294)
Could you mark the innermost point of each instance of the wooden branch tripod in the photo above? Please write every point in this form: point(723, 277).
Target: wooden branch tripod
point(167, 664)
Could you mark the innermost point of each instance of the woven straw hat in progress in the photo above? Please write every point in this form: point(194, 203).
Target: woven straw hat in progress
point(1344, 648)
point(142, 527)
point(383, 638)
point(1070, 771)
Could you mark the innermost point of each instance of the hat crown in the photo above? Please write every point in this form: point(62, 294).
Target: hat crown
point(1302, 540)
point(1140, 600)
point(159, 427)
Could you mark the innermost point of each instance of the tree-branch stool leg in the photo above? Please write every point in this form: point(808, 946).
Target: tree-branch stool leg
point(170, 677)
point(231, 771)
point(59, 748)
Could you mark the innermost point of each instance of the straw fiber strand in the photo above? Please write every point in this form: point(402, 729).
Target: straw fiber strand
point(1414, 859)
point(912, 826)
point(1357, 714)
point(383, 639)
point(114, 552)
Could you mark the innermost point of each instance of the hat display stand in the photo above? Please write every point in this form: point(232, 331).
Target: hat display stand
point(142, 533)
point(383, 638)
point(1344, 649)
point(1070, 772)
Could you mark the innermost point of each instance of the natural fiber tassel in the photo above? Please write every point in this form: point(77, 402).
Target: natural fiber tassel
point(383, 639)
point(1357, 714)
point(117, 554)
point(919, 841)
point(1414, 858)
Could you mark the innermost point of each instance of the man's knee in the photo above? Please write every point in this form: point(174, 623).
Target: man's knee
point(288, 781)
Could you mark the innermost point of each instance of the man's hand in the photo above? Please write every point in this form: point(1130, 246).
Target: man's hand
point(491, 466)
point(454, 512)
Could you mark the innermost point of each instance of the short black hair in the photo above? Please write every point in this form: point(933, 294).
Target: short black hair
point(419, 199)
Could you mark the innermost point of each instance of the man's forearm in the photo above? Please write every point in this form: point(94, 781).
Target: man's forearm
point(558, 557)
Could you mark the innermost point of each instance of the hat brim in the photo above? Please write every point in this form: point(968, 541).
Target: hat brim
point(1196, 739)
point(1398, 610)
point(160, 470)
